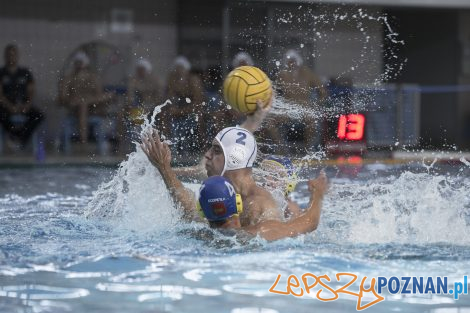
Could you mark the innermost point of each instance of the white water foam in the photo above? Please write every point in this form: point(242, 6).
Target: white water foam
point(136, 195)
point(408, 208)
point(413, 208)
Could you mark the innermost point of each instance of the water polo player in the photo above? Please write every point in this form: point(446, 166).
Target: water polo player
point(232, 154)
point(220, 204)
point(280, 178)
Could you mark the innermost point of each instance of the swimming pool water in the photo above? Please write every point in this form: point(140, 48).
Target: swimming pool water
point(89, 239)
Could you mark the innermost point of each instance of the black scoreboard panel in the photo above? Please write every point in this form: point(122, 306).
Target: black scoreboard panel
point(391, 115)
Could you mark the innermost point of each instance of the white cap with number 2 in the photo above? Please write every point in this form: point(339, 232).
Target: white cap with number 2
point(239, 147)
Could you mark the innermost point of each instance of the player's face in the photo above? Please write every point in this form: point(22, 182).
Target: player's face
point(215, 159)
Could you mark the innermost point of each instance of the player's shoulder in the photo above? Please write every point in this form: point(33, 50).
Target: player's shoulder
point(258, 191)
point(263, 197)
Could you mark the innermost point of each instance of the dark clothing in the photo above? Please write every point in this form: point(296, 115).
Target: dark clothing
point(15, 85)
point(20, 126)
point(15, 89)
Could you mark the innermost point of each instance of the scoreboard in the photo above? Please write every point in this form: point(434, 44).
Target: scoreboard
point(351, 127)
point(385, 117)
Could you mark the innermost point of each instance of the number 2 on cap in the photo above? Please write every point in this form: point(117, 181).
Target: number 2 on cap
point(241, 139)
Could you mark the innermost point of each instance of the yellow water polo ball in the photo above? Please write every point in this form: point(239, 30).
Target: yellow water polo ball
point(244, 86)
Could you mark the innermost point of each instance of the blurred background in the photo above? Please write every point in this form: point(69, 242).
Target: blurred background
point(93, 69)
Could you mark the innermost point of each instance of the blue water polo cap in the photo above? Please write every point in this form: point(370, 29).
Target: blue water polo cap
point(218, 199)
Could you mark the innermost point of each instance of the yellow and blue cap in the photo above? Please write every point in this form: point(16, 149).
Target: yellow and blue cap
point(218, 199)
point(287, 165)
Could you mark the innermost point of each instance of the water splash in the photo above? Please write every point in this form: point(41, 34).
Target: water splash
point(353, 50)
point(413, 208)
point(406, 205)
point(136, 194)
point(464, 161)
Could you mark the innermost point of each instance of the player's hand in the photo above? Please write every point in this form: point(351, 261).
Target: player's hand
point(255, 119)
point(318, 185)
point(158, 152)
point(263, 107)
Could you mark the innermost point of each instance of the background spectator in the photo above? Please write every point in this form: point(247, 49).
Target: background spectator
point(217, 114)
point(242, 59)
point(185, 113)
point(297, 84)
point(82, 94)
point(269, 135)
point(143, 93)
point(17, 115)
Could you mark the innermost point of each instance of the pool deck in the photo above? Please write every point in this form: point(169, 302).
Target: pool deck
point(397, 157)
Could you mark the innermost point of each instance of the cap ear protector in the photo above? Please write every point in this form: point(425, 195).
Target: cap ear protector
point(291, 183)
point(217, 199)
point(239, 203)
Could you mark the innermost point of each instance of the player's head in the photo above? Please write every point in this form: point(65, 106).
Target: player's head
point(279, 173)
point(81, 60)
point(182, 64)
point(238, 148)
point(218, 201)
point(292, 59)
point(143, 67)
point(242, 59)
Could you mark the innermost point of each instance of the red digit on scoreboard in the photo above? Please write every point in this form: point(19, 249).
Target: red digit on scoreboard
point(351, 127)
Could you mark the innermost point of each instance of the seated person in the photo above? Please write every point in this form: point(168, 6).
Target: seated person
point(221, 206)
point(17, 115)
point(296, 83)
point(82, 94)
point(217, 115)
point(143, 93)
point(242, 58)
point(184, 115)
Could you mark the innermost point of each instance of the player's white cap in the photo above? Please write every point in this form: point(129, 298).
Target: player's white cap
point(239, 147)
